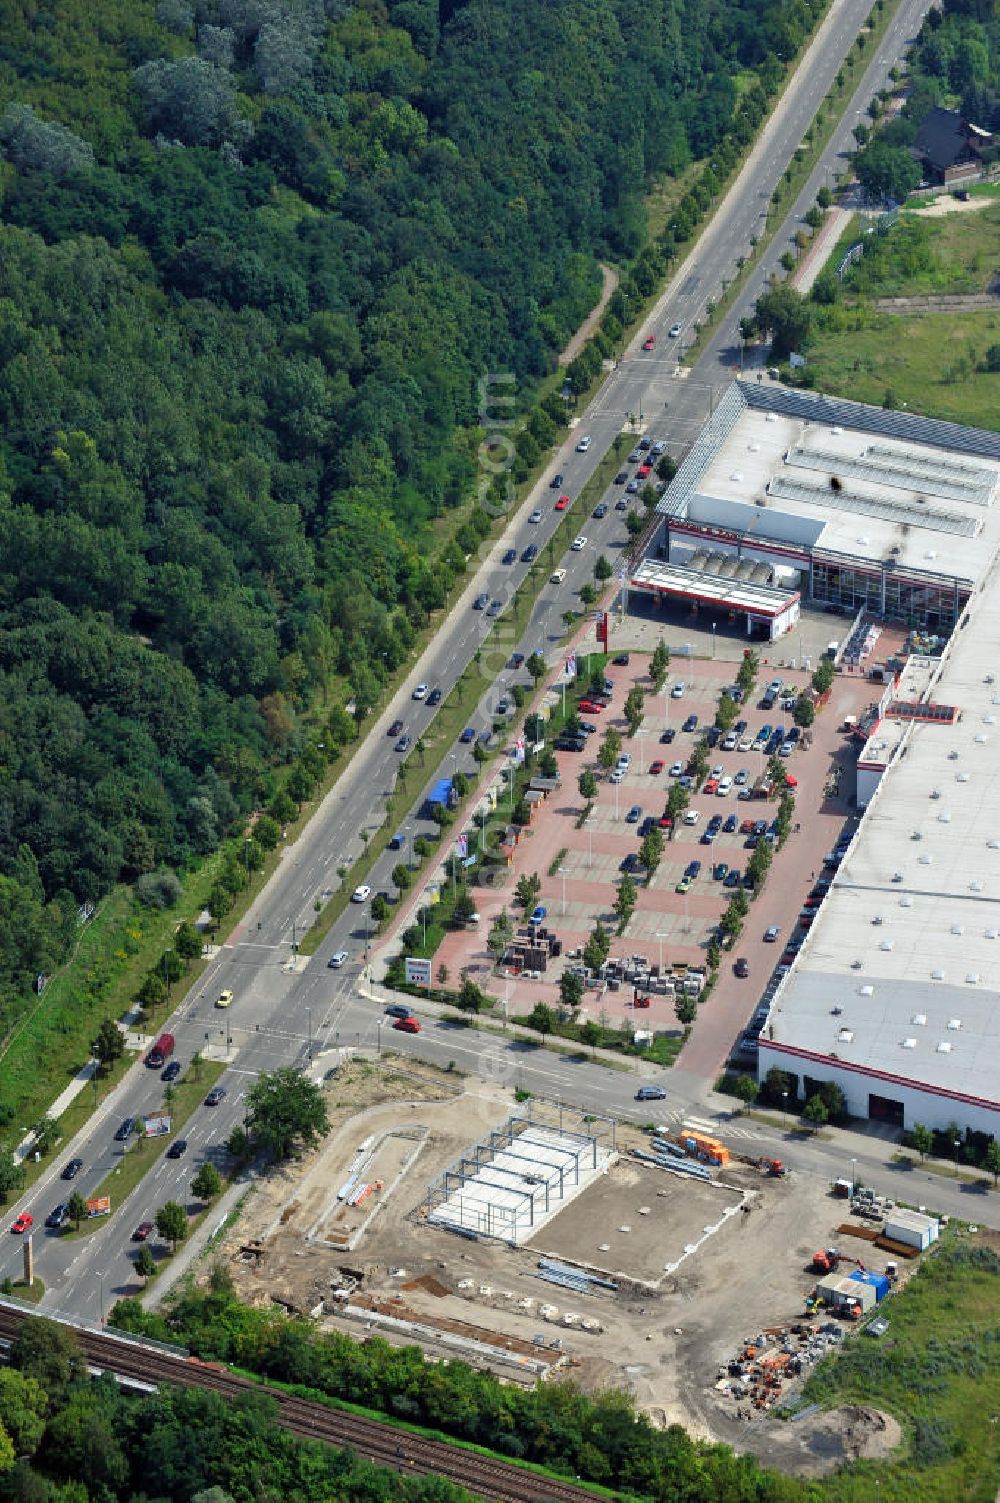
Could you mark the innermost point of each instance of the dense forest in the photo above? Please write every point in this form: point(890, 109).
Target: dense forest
point(255, 256)
point(68, 1438)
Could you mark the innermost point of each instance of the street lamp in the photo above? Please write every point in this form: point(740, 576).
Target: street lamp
point(309, 1022)
point(661, 936)
point(784, 1101)
point(713, 639)
point(854, 1179)
point(562, 873)
point(380, 1022)
point(100, 1276)
point(958, 1144)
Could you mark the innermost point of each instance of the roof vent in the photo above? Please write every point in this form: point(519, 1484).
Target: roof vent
point(981, 738)
point(937, 974)
point(962, 777)
point(925, 860)
point(754, 448)
point(906, 901)
point(736, 475)
point(867, 990)
point(836, 428)
point(931, 552)
point(919, 1020)
point(975, 885)
point(953, 756)
point(954, 1024)
point(944, 1047)
point(972, 979)
point(877, 920)
point(994, 844)
point(992, 932)
point(845, 1036)
point(857, 965)
point(897, 876)
point(988, 679)
point(989, 720)
point(909, 1043)
point(836, 1011)
point(770, 418)
point(887, 944)
point(958, 928)
point(935, 793)
point(944, 818)
point(916, 835)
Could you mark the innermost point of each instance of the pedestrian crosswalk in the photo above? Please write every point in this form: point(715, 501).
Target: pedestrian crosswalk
point(672, 1118)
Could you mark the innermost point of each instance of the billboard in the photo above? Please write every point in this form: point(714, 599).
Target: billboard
point(101, 1206)
point(156, 1127)
point(418, 972)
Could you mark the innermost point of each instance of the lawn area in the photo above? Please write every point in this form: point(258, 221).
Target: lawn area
point(924, 361)
point(937, 1370)
point(922, 256)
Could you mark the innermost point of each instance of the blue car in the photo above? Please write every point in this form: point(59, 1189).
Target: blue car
point(691, 723)
point(469, 734)
point(538, 916)
point(510, 557)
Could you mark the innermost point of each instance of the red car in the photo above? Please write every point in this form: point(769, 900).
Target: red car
point(143, 1231)
point(791, 780)
point(643, 472)
point(395, 728)
point(23, 1223)
point(590, 707)
point(665, 822)
point(562, 503)
point(711, 784)
point(641, 1002)
point(746, 827)
point(656, 766)
point(650, 343)
point(407, 1025)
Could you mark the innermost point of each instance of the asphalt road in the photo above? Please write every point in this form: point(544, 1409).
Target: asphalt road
point(284, 1005)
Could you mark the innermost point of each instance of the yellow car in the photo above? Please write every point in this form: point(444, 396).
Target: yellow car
point(224, 999)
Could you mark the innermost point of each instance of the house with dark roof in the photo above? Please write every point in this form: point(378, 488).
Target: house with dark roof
point(948, 148)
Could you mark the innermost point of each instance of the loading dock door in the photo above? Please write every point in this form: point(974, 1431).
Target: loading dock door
point(884, 1109)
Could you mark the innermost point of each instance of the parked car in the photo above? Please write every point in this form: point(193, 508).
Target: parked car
point(633, 488)
point(538, 915)
point(684, 885)
point(578, 544)
point(730, 824)
point(621, 477)
point(656, 766)
point(732, 878)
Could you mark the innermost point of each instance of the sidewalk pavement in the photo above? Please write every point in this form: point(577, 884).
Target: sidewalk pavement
point(176, 1267)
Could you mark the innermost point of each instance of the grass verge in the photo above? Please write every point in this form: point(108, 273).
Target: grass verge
point(137, 1161)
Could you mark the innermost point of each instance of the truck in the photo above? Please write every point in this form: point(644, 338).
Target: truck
point(441, 796)
point(161, 1051)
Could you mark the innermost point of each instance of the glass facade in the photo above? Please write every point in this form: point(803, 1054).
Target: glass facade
point(925, 603)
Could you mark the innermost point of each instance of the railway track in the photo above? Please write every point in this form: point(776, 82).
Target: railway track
point(380, 1442)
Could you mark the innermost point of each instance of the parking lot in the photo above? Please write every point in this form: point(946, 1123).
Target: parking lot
point(670, 928)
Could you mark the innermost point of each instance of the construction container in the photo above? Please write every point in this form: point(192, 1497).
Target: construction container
point(878, 1281)
point(708, 1150)
point(911, 1228)
point(838, 1291)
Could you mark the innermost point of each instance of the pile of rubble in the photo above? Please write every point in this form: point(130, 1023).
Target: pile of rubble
point(768, 1361)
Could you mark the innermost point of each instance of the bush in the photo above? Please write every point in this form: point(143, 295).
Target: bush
point(161, 889)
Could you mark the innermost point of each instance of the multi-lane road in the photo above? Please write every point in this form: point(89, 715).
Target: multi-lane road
point(287, 1007)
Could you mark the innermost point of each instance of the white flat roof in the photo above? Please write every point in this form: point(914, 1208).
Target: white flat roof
point(675, 579)
point(856, 493)
point(907, 943)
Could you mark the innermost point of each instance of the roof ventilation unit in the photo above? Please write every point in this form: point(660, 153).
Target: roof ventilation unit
point(925, 860)
point(988, 679)
point(989, 720)
point(836, 428)
point(909, 1043)
point(944, 818)
point(857, 965)
point(962, 777)
point(906, 901)
point(877, 919)
point(916, 835)
point(845, 1036)
point(897, 876)
point(935, 793)
point(944, 1047)
point(958, 928)
point(937, 974)
point(975, 885)
point(992, 932)
point(954, 1024)
point(981, 738)
point(919, 1020)
point(994, 844)
point(953, 756)
point(867, 990)
point(887, 944)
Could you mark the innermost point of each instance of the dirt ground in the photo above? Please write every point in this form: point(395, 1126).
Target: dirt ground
point(699, 1272)
point(948, 205)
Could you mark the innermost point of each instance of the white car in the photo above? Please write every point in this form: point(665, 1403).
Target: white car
point(677, 692)
point(579, 544)
point(584, 444)
point(536, 516)
point(692, 817)
point(741, 778)
point(336, 961)
point(724, 787)
point(618, 776)
point(361, 894)
point(746, 744)
point(717, 771)
point(676, 768)
point(674, 330)
point(420, 692)
point(729, 743)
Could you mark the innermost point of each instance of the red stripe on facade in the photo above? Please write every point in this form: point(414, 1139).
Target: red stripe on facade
point(871, 1074)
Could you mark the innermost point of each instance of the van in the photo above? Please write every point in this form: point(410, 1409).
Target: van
point(557, 577)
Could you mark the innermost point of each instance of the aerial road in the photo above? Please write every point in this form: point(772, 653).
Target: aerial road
point(287, 1007)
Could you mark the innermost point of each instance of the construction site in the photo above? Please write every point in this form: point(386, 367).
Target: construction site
point(536, 1242)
